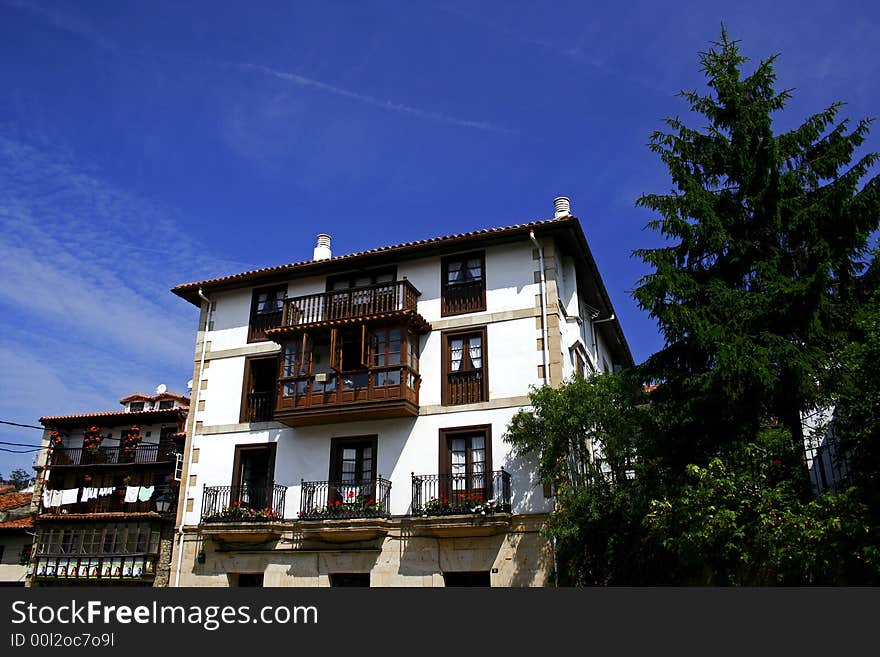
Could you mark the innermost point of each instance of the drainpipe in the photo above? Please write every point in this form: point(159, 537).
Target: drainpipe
point(545, 351)
point(197, 386)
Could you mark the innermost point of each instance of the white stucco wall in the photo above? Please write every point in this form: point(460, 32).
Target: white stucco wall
point(10, 568)
point(404, 446)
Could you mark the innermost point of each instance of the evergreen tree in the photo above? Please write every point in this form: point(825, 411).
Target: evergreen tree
point(754, 289)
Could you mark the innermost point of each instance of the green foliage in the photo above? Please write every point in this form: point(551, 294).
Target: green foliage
point(766, 314)
point(765, 236)
point(19, 478)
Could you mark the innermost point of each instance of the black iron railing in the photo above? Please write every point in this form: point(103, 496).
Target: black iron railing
point(476, 493)
point(144, 453)
point(243, 503)
point(327, 500)
point(350, 303)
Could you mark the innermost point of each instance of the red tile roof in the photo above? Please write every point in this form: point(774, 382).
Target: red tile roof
point(112, 415)
point(189, 291)
point(18, 523)
point(14, 500)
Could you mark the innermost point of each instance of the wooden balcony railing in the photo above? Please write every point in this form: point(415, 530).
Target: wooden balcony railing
point(260, 406)
point(464, 297)
point(115, 503)
point(262, 322)
point(243, 503)
point(329, 500)
point(350, 303)
point(144, 453)
point(480, 493)
point(465, 387)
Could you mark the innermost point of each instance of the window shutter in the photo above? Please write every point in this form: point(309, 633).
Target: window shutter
point(335, 350)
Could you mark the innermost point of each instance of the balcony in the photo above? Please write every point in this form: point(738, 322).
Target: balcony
point(476, 504)
point(79, 456)
point(114, 502)
point(372, 394)
point(343, 511)
point(243, 503)
point(383, 300)
point(259, 406)
point(243, 513)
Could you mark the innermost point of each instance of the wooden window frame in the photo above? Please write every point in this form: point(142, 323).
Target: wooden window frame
point(253, 335)
point(352, 276)
point(444, 281)
point(446, 356)
point(247, 381)
point(272, 448)
point(338, 444)
point(445, 460)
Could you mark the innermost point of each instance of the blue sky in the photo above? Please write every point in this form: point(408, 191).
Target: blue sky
point(145, 144)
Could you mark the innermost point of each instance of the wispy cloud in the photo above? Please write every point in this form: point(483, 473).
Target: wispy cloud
point(85, 312)
point(560, 47)
point(63, 20)
point(387, 105)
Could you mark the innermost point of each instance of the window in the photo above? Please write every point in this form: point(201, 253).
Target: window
point(253, 476)
point(352, 468)
point(135, 407)
point(258, 397)
point(267, 305)
point(166, 404)
point(349, 579)
point(247, 579)
point(385, 351)
point(464, 367)
point(466, 464)
point(463, 284)
point(478, 578)
point(577, 360)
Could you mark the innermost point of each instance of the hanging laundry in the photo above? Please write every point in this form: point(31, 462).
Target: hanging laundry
point(56, 498)
point(103, 492)
point(69, 496)
point(146, 493)
point(131, 493)
point(48, 496)
point(89, 493)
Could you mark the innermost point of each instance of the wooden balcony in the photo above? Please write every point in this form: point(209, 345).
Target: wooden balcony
point(372, 394)
point(398, 299)
point(110, 456)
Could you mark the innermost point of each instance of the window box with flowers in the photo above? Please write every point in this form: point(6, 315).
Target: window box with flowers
point(131, 439)
point(240, 511)
point(92, 445)
point(352, 506)
point(459, 503)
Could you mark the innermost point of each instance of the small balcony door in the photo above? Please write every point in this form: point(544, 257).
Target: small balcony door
point(466, 465)
point(353, 470)
point(253, 475)
point(258, 404)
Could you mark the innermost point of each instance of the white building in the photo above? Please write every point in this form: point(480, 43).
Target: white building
point(349, 411)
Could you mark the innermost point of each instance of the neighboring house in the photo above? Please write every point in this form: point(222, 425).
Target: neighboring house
point(16, 535)
point(106, 493)
point(349, 411)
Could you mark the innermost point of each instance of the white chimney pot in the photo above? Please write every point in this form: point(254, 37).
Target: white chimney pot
point(322, 249)
point(562, 206)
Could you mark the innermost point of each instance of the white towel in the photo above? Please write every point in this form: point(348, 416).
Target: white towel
point(56, 497)
point(131, 493)
point(69, 495)
point(146, 493)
